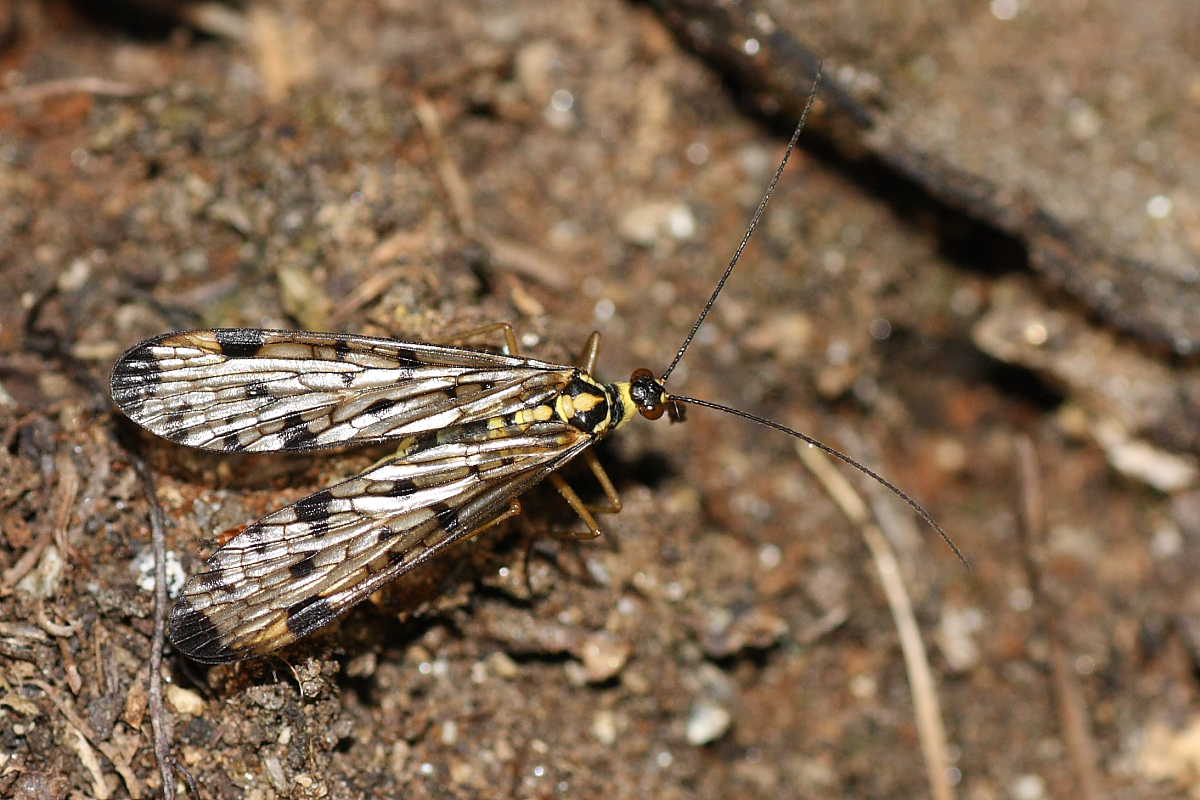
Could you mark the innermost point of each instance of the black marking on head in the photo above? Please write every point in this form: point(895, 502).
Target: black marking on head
point(308, 615)
point(196, 636)
point(447, 517)
point(645, 390)
point(380, 407)
point(402, 487)
point(304, 567)
point(315, 507)
point(239, 342)
point(295, 433)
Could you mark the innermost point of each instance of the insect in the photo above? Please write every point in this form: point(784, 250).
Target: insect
point(474, 430)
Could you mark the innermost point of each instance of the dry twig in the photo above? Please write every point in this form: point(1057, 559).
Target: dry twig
point(930, 729)
point(1072, 708)
point(158, 721)
point(86, 84)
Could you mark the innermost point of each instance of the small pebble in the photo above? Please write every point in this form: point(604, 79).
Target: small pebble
point(707, 723)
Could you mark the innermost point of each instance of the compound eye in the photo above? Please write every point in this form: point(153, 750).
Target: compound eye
point(640, 375)
point(652, 412)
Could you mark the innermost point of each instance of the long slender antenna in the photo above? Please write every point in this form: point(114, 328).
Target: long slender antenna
point(925, 515)
point(758, 212)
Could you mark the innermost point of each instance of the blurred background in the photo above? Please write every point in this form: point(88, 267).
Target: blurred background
point(979, 276)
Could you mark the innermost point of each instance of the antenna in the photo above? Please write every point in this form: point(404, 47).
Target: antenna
point(925, 515)
point(733, 262)
point(758, 212)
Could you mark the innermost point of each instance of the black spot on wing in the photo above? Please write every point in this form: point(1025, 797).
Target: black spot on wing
point(252, 534)
point(211, 583)
point(473, 431)
point(304, 567)
point(254, 391)
point(296, 434)
point(402, 487)
point(173, 426)
point(315, 507)
point(135, 376)
point(447, 517)
point(407, 356)
point(177, 435)
point(341, 348)
point(386, 533)
point(424, 441)
point(196, 637)
point(239, 342)
point(232, 442)
point(380, 407)
point(309, 614)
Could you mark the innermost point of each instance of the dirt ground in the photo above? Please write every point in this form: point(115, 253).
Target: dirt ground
point(979, 276)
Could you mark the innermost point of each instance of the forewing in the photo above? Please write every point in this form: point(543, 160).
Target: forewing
point(301, 567)
point(252, 390)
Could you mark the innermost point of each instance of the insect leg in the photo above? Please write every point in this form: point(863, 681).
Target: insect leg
point(612, 504)
point(587, 359)
point(533, 535)
point(510, 338)
point(514, 509)
point(579, 507)
point(584, 510)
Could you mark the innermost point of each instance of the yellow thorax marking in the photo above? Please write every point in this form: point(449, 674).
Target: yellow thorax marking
point(627, 405)
point(568, 406)
point(528, 416)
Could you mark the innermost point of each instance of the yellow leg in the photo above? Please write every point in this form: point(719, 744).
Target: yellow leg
point(579, 507)
point(587, 360)
point(510, 338)
point(514, 509)
point(532, 536)
point(613, 504)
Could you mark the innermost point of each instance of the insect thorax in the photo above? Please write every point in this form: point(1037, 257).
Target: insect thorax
point(590, 406)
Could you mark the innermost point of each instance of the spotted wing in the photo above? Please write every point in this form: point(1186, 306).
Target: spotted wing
point(299, 568)
point(252, 390)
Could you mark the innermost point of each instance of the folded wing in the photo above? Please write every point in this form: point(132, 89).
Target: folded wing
point(301, 567)
point(254, 390)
